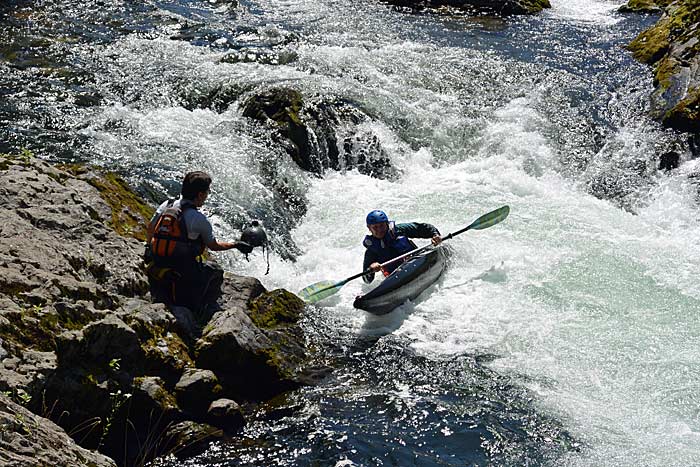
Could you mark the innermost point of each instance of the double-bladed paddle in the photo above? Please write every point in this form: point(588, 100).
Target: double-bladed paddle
point(324, 289)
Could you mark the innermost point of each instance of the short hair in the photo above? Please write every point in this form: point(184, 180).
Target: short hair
point(193, 183)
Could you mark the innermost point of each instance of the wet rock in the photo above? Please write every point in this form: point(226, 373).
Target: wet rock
point(27, 439)
point(197, 389)
point(500, 7)
point(226, 414)
point(669, 160)
point(188, 438)
point(644, 6)
point(671, 46)
point(232, 346)
point(308, 129)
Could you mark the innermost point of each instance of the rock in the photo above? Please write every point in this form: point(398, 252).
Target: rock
point(81, 344)
point(500, 7)
point(308, 129)
point(197, 389)
point(226, 414)
point(231, 345)
point(644, 6)
point(671, 46)
point(275, 309)
point(27, 371)
point(669, 160)
point(152, 405)
point(188, 438)
point(111, 339)
point(27, 439)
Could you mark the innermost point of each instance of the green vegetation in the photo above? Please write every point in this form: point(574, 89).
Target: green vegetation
point(645, 6)
point(679, 26)
point(129, 212)
point(22, 159)
point(275, 308)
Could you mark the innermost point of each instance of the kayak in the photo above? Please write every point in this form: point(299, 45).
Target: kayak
point(406, 283)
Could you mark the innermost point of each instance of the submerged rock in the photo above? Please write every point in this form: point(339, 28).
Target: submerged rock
point(499, 7)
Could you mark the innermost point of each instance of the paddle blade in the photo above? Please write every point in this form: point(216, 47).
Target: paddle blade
point(320, 290)
point(491, 218)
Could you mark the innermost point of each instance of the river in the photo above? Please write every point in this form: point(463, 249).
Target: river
point(566, 335)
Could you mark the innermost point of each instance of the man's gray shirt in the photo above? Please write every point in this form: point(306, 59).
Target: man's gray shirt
point(198, 226)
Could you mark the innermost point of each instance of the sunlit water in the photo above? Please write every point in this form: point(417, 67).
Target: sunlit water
point(566, 335)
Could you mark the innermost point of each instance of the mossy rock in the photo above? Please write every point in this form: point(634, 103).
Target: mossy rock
point(129, 212)
point(35, 327)
point(678, 25)
point(686, 115)
point(276, 308)
point(8, 160)
point(645, 6)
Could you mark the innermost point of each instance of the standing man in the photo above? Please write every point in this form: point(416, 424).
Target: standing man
point(389, 240)
point(178, 236)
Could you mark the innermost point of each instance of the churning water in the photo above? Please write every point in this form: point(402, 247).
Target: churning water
point(566, 335)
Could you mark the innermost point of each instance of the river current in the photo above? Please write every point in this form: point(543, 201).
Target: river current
point(566, 335)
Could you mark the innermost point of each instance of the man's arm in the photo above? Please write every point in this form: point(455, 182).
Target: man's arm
point(243, 247)
point(369, 259)
point(419, 230)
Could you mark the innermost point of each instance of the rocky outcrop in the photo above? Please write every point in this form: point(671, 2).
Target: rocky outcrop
point(498, 7)
point(319, 134)
point(27, 439)
point(671, 46)
point(82, 345)
point(644, 6)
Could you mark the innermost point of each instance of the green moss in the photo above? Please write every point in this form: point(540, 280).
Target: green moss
point(275, 308)
point(686, 115)
point(36, 327)
point(678, 25)
point(130, 213)
point(535, 6)
point(22, 159)
point(645, 6)
point(164, 399)
point(652, 44)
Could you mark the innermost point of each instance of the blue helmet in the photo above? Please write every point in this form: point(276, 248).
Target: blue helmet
point(376, 217)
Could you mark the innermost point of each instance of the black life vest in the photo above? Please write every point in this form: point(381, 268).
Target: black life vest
point(389, 247)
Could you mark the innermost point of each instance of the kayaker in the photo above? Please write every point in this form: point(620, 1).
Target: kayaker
point(178, 236)
point(389, 240)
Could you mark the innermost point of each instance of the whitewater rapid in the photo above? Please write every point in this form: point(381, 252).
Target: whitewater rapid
point(591, 304)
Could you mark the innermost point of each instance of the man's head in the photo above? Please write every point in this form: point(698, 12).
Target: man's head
point(195, 186)
point(377, 223)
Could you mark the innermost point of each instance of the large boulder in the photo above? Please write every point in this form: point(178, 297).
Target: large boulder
point(309, 130)
point(27, 439)
point(81, 343)
point(255, 362)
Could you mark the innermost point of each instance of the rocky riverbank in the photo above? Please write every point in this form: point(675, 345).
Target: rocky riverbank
point(82, 345)
point(671, 47)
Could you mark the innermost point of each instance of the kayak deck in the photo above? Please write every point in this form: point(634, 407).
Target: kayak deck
point(407, 282)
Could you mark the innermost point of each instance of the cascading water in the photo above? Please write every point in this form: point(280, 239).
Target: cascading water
point(566, 335)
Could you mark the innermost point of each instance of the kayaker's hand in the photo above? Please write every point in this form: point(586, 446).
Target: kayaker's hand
point(375, 267)
point(437, 239)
